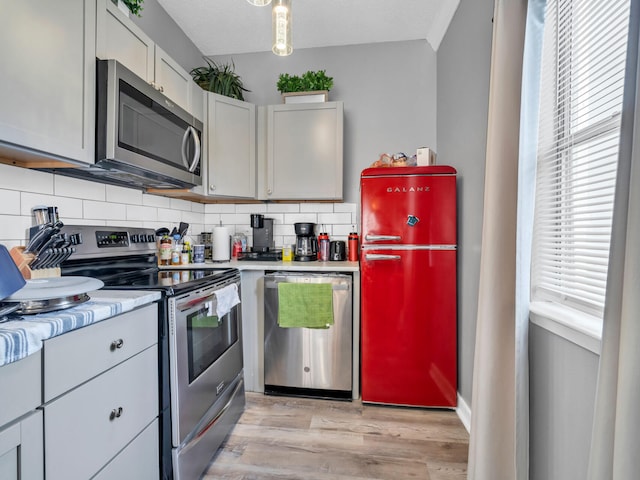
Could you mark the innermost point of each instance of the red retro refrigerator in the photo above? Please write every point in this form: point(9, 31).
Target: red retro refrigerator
point(408, 286)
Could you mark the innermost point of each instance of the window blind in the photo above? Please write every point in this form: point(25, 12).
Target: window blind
point(582, 79)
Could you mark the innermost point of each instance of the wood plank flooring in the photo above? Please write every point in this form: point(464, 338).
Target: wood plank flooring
point(299, 438)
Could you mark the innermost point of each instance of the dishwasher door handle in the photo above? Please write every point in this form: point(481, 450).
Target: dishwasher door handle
point(274, 284)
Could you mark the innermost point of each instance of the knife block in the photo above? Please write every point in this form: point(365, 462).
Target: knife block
point(23, 260)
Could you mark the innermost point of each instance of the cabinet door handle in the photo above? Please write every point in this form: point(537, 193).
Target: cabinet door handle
point(119, 343)
point(115, 413)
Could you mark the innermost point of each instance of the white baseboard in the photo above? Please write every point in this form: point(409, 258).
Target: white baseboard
point(464, 413)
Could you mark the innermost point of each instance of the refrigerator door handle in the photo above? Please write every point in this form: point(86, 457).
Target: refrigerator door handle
point(380, 256)
point(379, 238)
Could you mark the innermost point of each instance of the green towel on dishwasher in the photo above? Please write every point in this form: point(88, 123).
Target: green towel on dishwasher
point(307, 305)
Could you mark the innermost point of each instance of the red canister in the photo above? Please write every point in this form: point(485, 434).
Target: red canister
point(354, 242)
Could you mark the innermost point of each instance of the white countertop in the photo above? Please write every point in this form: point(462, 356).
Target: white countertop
point(270, 265)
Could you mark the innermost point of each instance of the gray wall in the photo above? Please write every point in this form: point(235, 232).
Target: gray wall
point(388, 90)
point(156, 23)
point(464, 60)
point(562, 382)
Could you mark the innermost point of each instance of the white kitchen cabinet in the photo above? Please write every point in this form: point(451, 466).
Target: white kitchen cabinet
point(48, 78)
point(101, 398)
point(21, 449)
point(301, 151)
point(121, 39)
point(231, 147)
point(21, 443)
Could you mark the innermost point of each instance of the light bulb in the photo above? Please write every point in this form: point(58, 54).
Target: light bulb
point(281, 17)
point(259, 3)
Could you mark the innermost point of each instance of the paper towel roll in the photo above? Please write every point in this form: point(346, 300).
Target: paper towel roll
point(221, 244)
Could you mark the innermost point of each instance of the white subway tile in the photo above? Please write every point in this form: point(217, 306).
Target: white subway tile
point(289, 240)
point(341, 231)
point(23, 179)
point(179, 204)
point(138, 212)
point(77, 188)
point(89, 221)
point(251, 208)
point(169, 216)
point(14, 227)
point(156, 201)
point(300, 217)
point(67, 207)
point(13, 243)
point(197, 207)
point(10, 202)
point(211, 219)
point(316, 207)
point(123, 223)
point(283, 207)
point(286, 229)
point(123, 195)
point(192, 217)
point(219, 208)
point(235, 219)
point(104, 210)
point(345, 207)
point(334, 218)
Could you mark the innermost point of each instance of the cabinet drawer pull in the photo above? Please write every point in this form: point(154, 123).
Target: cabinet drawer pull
point(115, 413)
point(116, 344)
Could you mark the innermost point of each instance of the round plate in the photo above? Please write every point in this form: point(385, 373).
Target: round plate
point(54, 287)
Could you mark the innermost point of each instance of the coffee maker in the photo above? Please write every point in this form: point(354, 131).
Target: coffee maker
point(306, 243)
point(262, 233)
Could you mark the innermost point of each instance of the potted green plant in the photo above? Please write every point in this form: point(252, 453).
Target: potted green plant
point(219, 78)
point(134, 6)
point(309, 87)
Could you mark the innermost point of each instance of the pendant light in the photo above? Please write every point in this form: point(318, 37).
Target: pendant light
point(281, 17)
point(259, 3)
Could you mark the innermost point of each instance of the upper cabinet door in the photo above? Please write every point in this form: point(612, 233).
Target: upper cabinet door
point(172, 80)
point(302, 159)
point(47, 99)
point(231, 147)
point(120, 39)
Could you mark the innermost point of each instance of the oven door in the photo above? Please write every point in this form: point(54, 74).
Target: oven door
point(205, 357)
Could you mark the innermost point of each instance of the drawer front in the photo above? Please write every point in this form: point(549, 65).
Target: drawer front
point(21, 387)
point(139, 460)
point(75, 357)
point(87, 427)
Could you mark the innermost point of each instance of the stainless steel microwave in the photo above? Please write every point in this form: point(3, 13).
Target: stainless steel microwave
point(142, 138)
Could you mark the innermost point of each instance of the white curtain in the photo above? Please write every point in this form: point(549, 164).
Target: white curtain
point(616, 431)
point(498, 448)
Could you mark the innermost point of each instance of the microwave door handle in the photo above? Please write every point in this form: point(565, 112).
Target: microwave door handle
point(183, 150)
point(196, 153)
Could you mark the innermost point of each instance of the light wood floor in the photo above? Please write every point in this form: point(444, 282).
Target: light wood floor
point(298, 438)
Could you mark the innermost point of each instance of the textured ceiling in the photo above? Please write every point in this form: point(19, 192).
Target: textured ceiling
point(219, 27)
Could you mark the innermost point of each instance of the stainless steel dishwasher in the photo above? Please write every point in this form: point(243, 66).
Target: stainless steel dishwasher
point(309, 361)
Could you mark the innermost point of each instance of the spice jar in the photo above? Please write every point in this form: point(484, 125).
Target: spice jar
point(165, 250)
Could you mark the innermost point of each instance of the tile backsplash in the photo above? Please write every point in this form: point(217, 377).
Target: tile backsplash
point(85, 202)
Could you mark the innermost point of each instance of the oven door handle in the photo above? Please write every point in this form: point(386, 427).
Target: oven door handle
point(189, 304)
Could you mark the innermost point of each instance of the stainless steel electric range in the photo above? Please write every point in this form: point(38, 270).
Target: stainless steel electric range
point(200, 347)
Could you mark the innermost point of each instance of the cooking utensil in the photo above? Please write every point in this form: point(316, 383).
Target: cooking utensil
point(182, 229)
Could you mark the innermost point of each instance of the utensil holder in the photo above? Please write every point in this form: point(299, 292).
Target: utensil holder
point(23, 260)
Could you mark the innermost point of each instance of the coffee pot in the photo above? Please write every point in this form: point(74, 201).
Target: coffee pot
point(306, 243)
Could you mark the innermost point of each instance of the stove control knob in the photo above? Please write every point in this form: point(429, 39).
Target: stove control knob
point(150, 238)
point(134, 238)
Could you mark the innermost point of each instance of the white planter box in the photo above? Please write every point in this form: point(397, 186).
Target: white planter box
point(306, 97)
